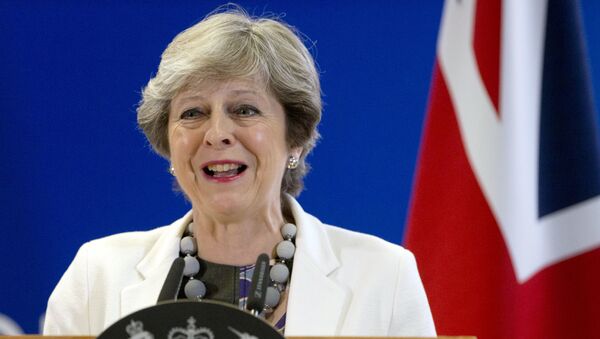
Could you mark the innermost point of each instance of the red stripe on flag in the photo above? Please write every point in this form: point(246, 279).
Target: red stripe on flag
point(562, 301)
point(462, 257)
point(486, 45)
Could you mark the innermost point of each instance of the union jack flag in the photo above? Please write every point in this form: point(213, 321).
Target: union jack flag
point(505, 212)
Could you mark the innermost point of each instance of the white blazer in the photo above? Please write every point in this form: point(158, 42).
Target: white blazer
point(343, 283)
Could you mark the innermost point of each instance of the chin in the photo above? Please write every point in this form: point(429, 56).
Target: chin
point(228, 204)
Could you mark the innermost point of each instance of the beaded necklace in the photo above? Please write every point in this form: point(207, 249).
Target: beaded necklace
point(279, 272)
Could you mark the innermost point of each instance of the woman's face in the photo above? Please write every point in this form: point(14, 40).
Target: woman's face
point(228, 147)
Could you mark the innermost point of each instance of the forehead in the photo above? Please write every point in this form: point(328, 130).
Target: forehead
point(236, 86)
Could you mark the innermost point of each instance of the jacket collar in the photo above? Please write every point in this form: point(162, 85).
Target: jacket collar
point(316, 302)
point(153, 268)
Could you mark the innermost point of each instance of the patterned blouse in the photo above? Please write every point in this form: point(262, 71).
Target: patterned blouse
point(229, 284)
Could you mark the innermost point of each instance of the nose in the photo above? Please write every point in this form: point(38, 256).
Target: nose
point(220, 131)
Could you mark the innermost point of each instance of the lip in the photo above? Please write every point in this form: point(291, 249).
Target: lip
point(221, 162)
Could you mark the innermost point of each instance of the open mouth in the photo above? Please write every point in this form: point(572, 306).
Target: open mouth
point(224, 170)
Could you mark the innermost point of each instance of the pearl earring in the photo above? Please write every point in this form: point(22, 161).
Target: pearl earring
point(292, 162)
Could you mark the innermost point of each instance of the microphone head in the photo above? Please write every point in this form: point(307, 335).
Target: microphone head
point(172, 284)
point(260, 282)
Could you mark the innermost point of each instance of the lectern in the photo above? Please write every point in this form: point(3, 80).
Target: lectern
point(87, 337)
point(187, 319)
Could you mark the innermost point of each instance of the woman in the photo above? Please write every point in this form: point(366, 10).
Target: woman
point(234, 107)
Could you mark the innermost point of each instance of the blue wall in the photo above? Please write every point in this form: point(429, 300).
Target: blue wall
point(75, 168)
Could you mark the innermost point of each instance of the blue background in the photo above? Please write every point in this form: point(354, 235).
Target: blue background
point(76, 168)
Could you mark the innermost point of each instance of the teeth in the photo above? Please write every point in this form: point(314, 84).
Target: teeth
point(223, 167)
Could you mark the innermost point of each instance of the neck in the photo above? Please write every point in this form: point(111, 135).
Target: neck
point(237, 240)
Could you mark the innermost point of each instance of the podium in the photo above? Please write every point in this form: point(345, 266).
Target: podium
point(208, 320)
point(87, 337)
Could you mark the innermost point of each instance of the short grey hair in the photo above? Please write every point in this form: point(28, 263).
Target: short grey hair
point(230, 44)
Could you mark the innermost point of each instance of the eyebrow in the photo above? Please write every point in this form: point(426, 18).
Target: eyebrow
point(245, 91)
point(235, 92)
point(191, 98)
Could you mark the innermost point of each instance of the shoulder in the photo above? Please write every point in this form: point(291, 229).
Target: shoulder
point(341, 238)
point(136, 245)
point(321, 238)
point(387, 296)
point(368, 253)
point(323, 242)
point(88, 294)
point(104, 261)
point(129, 244)
point(389, 274)
point(368, 258)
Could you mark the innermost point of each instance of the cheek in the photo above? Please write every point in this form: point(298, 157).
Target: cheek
point(181, 142)
point(260, 138)
point(268, 142)
point(271, 135)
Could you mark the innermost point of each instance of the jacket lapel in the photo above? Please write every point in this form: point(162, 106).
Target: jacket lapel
point(153, 269)
point(317, 303)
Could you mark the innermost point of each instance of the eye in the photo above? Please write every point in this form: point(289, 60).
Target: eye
point(246, 111)
point(191, 113)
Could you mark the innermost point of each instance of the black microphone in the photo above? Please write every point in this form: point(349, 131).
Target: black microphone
point(172, 284)
point(258, 289)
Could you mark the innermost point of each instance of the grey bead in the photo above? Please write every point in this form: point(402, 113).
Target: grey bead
point(272, 297)
point(279, 273)
point(188, 245)
point(194, 289)
point(285, 249)
point(190, 228)
point(288, 231)
point(192, 266)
